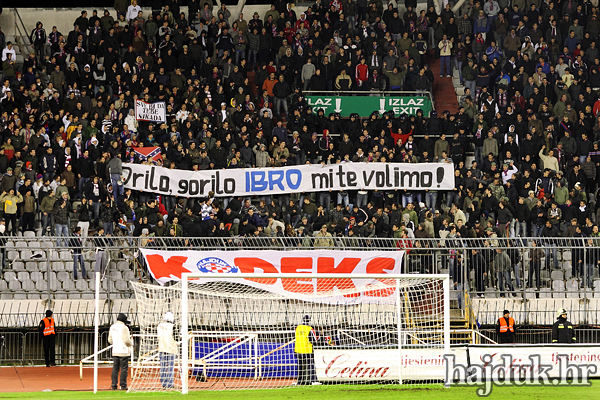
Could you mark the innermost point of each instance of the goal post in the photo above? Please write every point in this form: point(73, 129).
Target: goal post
point(238, 330)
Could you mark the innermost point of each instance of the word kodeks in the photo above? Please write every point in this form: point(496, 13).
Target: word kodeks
point(168, 266)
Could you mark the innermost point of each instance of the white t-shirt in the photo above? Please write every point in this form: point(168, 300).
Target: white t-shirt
point(132, 12)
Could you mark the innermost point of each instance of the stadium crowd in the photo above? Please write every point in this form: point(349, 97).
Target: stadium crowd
point(528, 115)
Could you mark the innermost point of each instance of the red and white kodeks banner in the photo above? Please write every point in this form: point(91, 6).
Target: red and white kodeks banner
point(166, 266)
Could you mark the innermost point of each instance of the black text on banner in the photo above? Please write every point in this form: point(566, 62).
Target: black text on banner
point(301, 178)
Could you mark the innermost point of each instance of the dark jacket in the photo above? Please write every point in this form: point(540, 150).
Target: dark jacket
point(562, 331)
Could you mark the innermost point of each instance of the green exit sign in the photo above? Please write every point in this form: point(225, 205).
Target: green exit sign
point(365, 105)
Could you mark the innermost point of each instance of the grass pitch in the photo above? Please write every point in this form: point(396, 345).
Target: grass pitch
point(335, 393)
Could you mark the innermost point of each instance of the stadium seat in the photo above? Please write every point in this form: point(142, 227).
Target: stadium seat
point(32, 266)
point(82, 285)
point(25, 255)
point(530, 293)
point(58, 266)
point(572, 288)
point(128, 275)
point(12, 255)
point(20, 244)
point(36, 276)
point(122, 265)
point(121, 285)
point(55, 285)
point(65, 255)
point(28, 285)
point(41, 285)
point(545, 293)
point(3, 285)
point(558, 287)
point(69, 286)
point(18, 266)
point(63, 276)
point(557, 275)
point(23, 276)
point(116, 275)
point(29, 234)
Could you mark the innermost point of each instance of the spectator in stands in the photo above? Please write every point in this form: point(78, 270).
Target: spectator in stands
point(11, 200)
point(61, 220)
point(76, 245)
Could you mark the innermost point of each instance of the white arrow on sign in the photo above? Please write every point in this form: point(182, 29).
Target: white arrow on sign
point(338, 105)
point(381, 106)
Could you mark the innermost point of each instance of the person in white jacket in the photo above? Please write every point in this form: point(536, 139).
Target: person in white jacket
point(167, 348)
point(132, 11)
point(120, 337)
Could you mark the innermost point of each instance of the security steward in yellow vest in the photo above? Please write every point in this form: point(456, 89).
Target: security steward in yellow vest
point(562, 330)
point(48, 332)
point(305, 339)
point(506, 328)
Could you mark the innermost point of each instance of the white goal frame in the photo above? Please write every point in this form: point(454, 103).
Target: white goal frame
point(186, 277)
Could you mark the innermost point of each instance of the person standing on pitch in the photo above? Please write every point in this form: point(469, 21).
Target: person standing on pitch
point(167, 348)
point(48, 330)
point(505, 328)
point(562, 330)
point(306, 338)
point(120, 338)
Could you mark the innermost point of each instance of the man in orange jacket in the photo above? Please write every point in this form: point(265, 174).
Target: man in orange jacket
point(505, 328)
point(48, 331)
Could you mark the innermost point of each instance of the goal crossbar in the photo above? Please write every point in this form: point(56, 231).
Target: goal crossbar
point(186, 278)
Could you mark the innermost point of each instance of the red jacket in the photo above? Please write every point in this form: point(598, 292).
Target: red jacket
point(362, 73)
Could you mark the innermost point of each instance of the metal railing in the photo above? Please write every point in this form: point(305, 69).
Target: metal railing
point(20, 28)
point(544, 335)
point(25, 348)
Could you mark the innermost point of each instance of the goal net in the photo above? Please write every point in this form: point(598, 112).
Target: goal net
point(307, 329)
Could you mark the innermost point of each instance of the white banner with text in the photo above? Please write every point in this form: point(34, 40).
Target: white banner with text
point(166, 266)
point(341, 364)
point(155, 112)
point(300, 178)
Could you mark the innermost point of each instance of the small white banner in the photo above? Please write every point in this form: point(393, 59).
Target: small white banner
point(379, 364)
point(155, 112)
point(299, 178)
